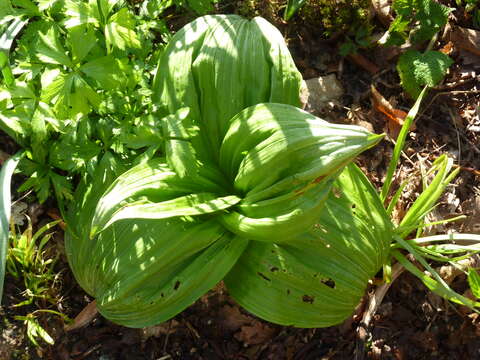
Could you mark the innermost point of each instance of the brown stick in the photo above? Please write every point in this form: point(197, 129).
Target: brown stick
point(364, 63)
point(85, 317)
point(373, 304)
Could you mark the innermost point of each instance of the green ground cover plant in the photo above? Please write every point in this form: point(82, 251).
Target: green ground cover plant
point(215, 155)
point(416, 22)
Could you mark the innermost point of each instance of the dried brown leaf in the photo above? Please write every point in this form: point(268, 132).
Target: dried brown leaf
point(156, 331)
point(255, 334)
point(394, 116)
point(382, 10)
point(232, 319)
point(466, 39)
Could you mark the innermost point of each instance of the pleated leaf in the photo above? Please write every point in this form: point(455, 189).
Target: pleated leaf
point(205, 63)
point(152, 190)
point(284, 161)
point(143, 272)
point(318, 279)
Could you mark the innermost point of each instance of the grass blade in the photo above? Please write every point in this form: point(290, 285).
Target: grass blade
point(400, 143)
point(292, 7)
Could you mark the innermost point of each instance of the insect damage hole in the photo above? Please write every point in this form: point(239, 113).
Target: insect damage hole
point(329, 282)
point(177, 285)
point(308, 299)
point(263, 276)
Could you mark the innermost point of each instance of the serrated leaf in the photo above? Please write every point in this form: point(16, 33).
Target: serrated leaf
point(16, 124)
point(47, 4)
point(121, 37)
point(104, 70)
point(432, 16)
point(28, 6)
point(59, 89)
point(201, 7)
point(422, 18)
point(417, 70)
point(106, 7)
point(398, 31)
point(81, 13)
point(404, 8)
point(82, 40)
point(61, 186)
point(154, 8)
point(49, 49)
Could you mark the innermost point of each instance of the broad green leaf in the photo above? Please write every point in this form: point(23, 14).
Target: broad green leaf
point(6, 173)
point(181, 136)
point(318, 279)
point(283, 160)
point(187, 205)
point(154, 268)
point(268, 145)
point(155, 183)
point(218, 44)
point(169, 272)
point(280, 219)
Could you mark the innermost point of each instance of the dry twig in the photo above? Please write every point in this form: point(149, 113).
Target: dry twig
point(373, 304)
